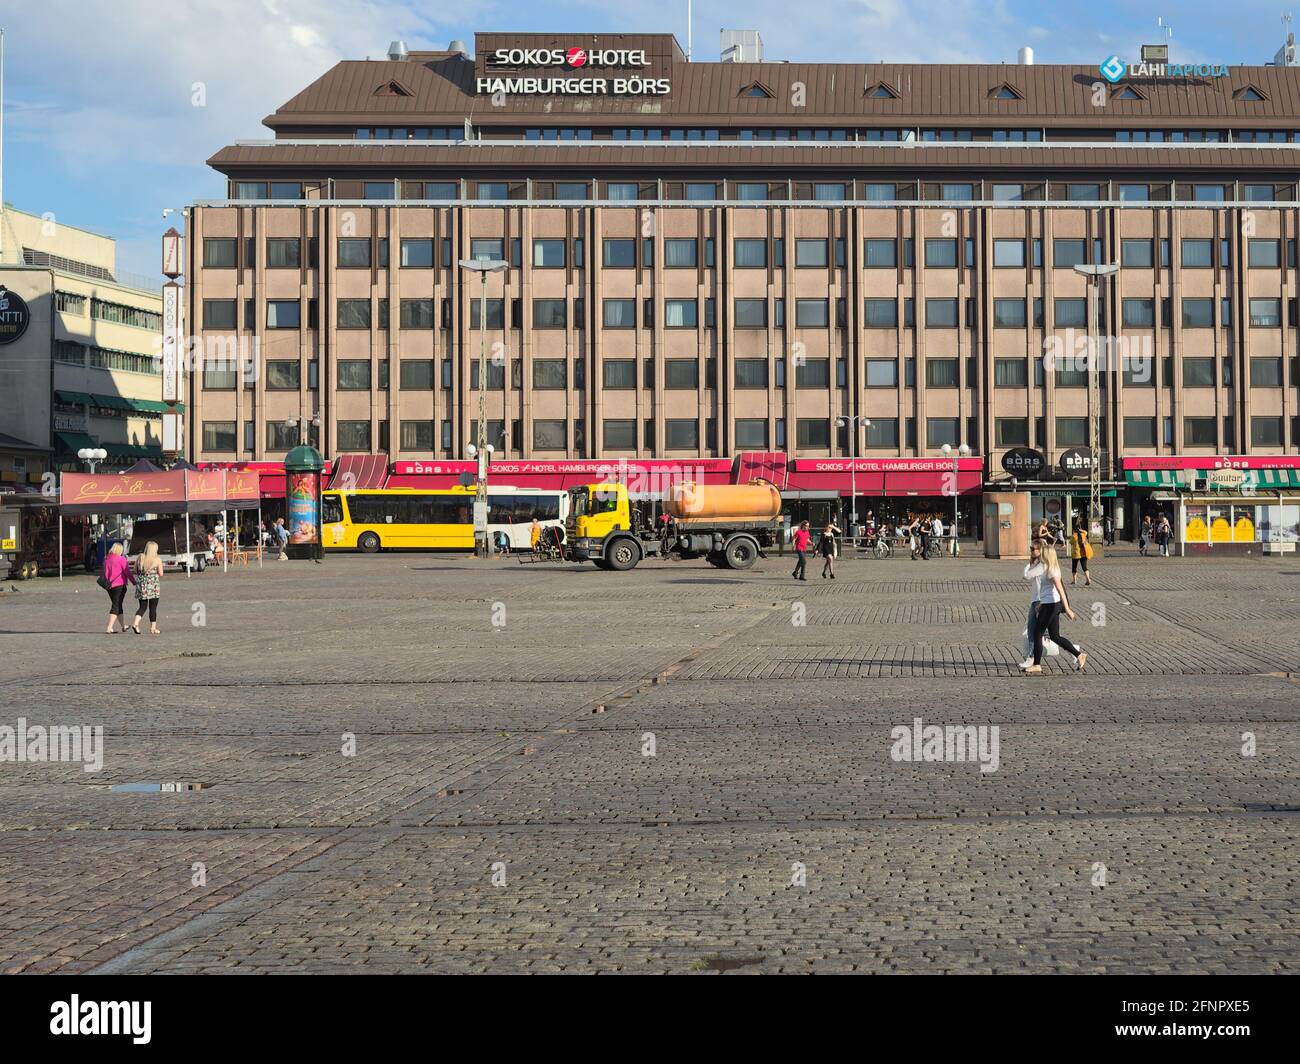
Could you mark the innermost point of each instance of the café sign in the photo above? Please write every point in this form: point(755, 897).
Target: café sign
point(15, 316)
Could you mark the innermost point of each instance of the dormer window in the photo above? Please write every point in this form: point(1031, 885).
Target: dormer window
point(393, 88)
point(1249, 94)
point(1006, 91)
point(756, 91)
point(1127, 92)
point(881, 91)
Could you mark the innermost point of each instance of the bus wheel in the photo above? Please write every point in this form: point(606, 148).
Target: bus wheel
point(623, 555)
point(369, 543)
point(741, 552)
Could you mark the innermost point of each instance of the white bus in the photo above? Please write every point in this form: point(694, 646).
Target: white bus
point(512, 510)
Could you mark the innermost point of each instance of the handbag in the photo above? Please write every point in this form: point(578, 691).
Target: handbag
point(102, 581)
point(1087, 549)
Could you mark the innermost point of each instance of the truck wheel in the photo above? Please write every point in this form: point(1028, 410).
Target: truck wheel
point(200, 563)
point(369, 543)
point(622, 555)
point(600, 563)
point(718, 561)
point(741, 552)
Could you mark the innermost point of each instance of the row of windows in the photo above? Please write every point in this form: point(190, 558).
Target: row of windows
point(826, 191)
point(753, 253)
point(620, 434)
point(76, 354)
point(122, 314)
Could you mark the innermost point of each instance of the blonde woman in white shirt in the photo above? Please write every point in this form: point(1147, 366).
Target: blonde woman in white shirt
point(1052, 602)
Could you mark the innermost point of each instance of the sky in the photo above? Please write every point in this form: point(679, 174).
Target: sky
point(112, 108)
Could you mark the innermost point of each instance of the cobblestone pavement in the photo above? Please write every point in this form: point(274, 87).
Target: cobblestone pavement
point(500, 812)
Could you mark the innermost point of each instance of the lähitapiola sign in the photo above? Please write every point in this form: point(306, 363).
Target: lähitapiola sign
point(15, 316)
point(1114, 69)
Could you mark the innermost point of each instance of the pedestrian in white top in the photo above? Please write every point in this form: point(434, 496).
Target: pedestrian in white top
point(1035, 571)
point(1053, 601)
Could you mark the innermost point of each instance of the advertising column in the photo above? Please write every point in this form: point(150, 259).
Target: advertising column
point(302, 490)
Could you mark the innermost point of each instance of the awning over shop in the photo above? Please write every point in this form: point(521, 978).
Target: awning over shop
point(1152, 478)
point(72, 398)
point(172, 492)
point(1274, 479)
point(72, 442)
point(360, 471)
point(1171, 479)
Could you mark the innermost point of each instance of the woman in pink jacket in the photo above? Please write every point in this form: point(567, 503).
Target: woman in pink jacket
point(117, 574)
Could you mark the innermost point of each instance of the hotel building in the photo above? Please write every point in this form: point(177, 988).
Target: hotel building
point(713, 258)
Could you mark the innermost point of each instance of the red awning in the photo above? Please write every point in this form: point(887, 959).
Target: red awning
point(932, 483)
point(359, 471)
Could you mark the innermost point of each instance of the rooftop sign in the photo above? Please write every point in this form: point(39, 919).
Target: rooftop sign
point(1114, 69)
point(510, 66)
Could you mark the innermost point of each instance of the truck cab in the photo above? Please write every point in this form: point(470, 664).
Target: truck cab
point(596, 513)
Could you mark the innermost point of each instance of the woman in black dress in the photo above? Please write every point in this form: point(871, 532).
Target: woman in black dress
point(827, 549)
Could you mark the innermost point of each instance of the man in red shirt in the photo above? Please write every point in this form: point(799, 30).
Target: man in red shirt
point(802, 540)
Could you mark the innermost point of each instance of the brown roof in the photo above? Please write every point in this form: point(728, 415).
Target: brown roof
point(666, 155)
point(443, 92)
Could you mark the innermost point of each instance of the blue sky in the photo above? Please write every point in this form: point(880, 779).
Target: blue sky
point(102, 127)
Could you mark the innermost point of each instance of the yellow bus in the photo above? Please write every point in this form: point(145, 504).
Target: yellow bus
point(377, 519)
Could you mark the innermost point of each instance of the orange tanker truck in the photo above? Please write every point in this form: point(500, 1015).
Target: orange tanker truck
point(728, 525)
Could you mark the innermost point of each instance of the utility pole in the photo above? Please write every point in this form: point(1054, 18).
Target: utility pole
point(1095, 273)
point(481, 451)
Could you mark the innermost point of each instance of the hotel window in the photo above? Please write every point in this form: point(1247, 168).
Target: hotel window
point(354, 375)
point(550, 314)
point(1265, 431)
point(417, 253)
point(810, 253)
point(219, 254)
point(941, 373)
point(681, 314)
point(283, 314)
point(219, 314)
point(1134, 193)
point(550, 435)
point(1198, 373)
point(487, 248)
point(880, 314)
point(1090, 193)
point(1264, 254)
point(681, 434)
point(495, 313)
point(1139, 432)
point(619, 374)
point(879, 192)
point(751, 190)
point(550, 374)
point(1068, 253)
point(680, 253)
point(701, 190)
point(751, 373)
point(1136, 253)
point(415, 435)
point(353, 435)
point(751, 314)
point(750, 253)
point(291, 190)
point(940, 313)
point(1198, 313)
point(1266, 373)
point(941, 430)
point(548, 254)
point(1265, 313)
point(416, 375)
point(1008, 253)
point(1070, 314)
point(1200, 432)
point(880, 253)
point(1010, 373)
point(621, 190)
point(1138, 313)
point(1012, 431)
point(279, 436)
point(492, 190)
point(354, 314)
point(620, 313)
point(1208, 193)
point(813, 373)
point(882, 373)
point(1008, 313)
point(811, 314)
point(620, 254)
point(1258, 193)
point(496, 376)
point(882, 432)
point(681, 374)
point(1139, 371)
point(814, 433)
point(940, 253)
point(751, 433)
point(957, 192)
point(418, 313)
point(353, 253)
point(250, 190)
point(1072, 432)
point(828, 191)
point(283, 253)
point(620, 434)
point(1198, 254)
point(1008, 193)
point(218, 435)
point(219, 376)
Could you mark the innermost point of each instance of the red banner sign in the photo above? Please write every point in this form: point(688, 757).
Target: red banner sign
point(1213, 461)
point(85, 489)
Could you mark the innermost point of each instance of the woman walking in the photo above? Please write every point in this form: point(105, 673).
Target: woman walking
point(827, 548)
point(1144, 536)
point(148, 587)
point(1052, 602)
point(1080, 552)
point(117, 571)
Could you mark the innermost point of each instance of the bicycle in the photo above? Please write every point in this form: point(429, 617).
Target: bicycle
point(879, 546)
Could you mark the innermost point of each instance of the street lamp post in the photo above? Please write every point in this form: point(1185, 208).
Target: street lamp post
point(962, 451)
point(481, 450)
point(852, 424)
point(1095, 275)
point(91, 455)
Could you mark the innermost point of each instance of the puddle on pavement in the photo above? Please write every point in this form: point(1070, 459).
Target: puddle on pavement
point(156, 788)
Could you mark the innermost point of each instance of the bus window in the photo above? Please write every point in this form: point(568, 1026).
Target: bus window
point(547, 507)
point(331, 510)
